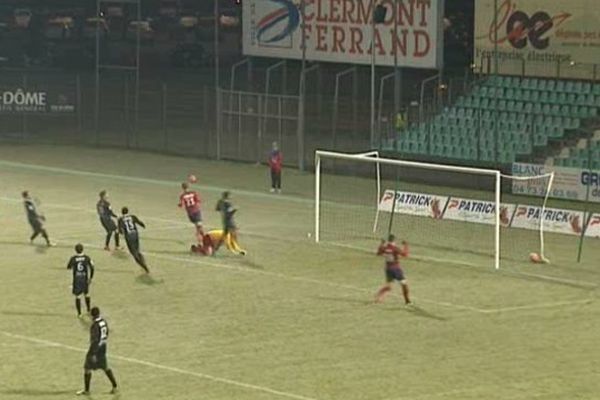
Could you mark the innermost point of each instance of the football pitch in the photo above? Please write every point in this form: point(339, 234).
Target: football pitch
point(292, 319)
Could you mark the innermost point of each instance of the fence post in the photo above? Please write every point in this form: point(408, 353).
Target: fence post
point(79, 107)
point(239, 138)
point(279, 121)
point(164, 116)
point(205, 118)
point(219, 123)
point(260, 128)
point(24, 119)
point(126, 106)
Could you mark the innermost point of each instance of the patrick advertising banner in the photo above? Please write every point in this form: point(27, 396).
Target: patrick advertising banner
point(521, 216)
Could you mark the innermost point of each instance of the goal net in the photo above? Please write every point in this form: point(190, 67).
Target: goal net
point(447, 213)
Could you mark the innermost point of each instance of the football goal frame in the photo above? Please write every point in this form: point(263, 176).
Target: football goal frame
point(374, 158)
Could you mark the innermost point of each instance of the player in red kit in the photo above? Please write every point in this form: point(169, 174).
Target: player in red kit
point(190, 200)
point(393, 272)
point(275, 163)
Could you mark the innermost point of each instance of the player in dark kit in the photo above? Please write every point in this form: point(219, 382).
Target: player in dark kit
point(35, 219)
point(96, 355)
point(128, 226)
point(227, 210)
point(106, 215)
point(83, 273)
point(393, 272)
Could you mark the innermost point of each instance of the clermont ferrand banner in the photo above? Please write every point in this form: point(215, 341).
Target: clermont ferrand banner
point(341, 31)
point(535, 36)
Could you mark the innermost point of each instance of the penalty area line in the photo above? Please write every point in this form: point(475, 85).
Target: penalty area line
point(163, 367)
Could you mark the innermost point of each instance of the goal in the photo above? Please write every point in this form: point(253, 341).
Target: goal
point(447, 213)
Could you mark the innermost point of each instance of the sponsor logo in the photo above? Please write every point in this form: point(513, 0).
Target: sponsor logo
point(436, 211)
point(521, 29)
point(413, 203)
point(20, 100)
point(473, 206)
point(590, 178)
point(279, 24)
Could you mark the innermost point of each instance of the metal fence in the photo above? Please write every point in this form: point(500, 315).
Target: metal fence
point(182, 114)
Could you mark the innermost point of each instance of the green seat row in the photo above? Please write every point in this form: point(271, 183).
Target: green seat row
point(557, 85)
point(535, 96)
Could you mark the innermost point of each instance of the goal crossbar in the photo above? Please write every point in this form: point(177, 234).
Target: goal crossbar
point(373, 157)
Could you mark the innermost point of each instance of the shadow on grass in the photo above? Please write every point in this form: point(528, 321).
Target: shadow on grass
point(38, 247)
point(250, 263)
point(23, 313)
point(418, 312)
point(180, 253)
point(120, 254)
point(348, 300)
point(84, 322)
point(35, 392)
point(149, 280)
point(165, 240)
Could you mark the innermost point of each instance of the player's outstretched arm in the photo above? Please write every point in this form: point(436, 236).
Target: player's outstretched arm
point(140, 223)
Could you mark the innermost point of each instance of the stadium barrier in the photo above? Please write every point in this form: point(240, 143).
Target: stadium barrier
point(521, 216)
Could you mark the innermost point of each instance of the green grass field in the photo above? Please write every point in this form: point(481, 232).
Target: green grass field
point(293, 319)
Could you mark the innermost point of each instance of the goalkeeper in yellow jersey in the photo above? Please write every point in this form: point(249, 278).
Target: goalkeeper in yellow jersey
point(206, 243)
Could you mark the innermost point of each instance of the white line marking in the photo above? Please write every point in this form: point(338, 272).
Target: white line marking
point(539, 306)
point(176, 370)
point(221, 266)
point(264, 195)
point(504, 272)
point(136, 179)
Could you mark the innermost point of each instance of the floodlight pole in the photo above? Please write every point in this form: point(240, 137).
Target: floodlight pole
point(302, 91)
point(217, 67)
point(397, 72)
point(135, 68)
point(372, 128)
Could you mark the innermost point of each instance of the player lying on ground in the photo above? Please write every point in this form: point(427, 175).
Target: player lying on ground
point(393, 272)
point(96, 355)
point(128, 226)
point(83, 273)
point(106, 215)
point(35, 219)
point(206, 243)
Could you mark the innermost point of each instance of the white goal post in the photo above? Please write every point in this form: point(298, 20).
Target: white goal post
point(373, 158)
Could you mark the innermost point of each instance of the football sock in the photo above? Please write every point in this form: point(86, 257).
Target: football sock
point(35, 234)
point(405, 294)
point(107, 240)
point(111, 377)
point(45, 235)
point(78, 305)
point(87, 379)
point(117, 239)
point(88, 303)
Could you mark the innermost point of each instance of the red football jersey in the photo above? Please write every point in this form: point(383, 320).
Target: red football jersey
point(392, 254)
point(191, 202)
point(275, 160)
